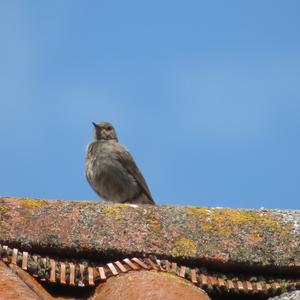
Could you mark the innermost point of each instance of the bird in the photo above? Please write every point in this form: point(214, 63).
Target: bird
point(111, 170)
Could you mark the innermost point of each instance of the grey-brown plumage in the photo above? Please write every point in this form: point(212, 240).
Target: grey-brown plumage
point(111, 170)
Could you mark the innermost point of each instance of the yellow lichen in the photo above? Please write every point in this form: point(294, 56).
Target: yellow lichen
point(239, 218)
point(3, 209)
point(199, 211)
point(224, 231)
point(114, 209)
point(184, 247)
point(153, 222)
point(225, 222)
point(33, 202)
point(54, 228)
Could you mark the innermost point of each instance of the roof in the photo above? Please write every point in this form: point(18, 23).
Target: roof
point(222, 244)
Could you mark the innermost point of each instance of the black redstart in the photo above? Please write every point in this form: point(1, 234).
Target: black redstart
point(111, 170)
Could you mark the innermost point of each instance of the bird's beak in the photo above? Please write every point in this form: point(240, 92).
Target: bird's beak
point(95, 125)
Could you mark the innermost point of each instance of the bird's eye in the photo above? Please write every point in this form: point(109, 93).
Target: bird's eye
point(109, 127)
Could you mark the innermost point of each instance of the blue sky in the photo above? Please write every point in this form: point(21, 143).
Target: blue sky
point(205, 94)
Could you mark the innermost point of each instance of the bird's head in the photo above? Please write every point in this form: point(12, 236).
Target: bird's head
point(104, 131)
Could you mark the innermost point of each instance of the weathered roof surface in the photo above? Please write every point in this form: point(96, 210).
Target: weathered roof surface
point(288, 296)
point(232, 238)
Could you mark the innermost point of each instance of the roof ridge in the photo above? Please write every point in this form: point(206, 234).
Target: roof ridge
point(81, 274)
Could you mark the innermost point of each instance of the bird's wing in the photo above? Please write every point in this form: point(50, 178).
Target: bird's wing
point(129, 164)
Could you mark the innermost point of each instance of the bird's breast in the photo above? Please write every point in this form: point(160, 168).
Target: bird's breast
point(108, 177)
